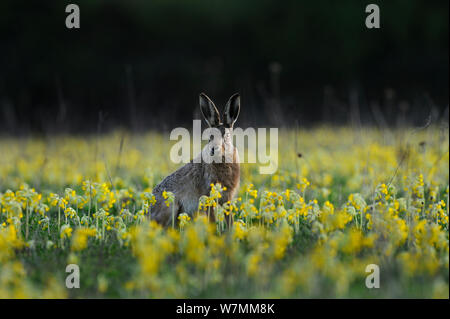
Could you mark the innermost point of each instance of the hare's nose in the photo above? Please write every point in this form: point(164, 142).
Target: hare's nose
point(215, 149)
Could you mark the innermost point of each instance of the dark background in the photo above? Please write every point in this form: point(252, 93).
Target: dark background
point(141, 64)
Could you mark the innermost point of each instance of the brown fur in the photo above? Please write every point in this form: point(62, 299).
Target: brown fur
point(189, 183)
point(193, 180)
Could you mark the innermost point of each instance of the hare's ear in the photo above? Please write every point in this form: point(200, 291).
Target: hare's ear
point(232, 110)
point(209, 110)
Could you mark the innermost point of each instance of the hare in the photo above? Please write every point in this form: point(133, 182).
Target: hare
point(217, 163)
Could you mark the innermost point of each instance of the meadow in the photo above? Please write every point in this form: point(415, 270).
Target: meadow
point(341, 199)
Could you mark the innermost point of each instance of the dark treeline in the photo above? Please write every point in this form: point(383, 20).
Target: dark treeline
point(141, 64)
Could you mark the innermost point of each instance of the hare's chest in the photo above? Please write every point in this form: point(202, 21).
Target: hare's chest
point(225, 174)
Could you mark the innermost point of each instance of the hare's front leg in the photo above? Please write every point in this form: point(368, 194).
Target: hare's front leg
point(227, 196)
point(163, 214)
point(209, 212)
